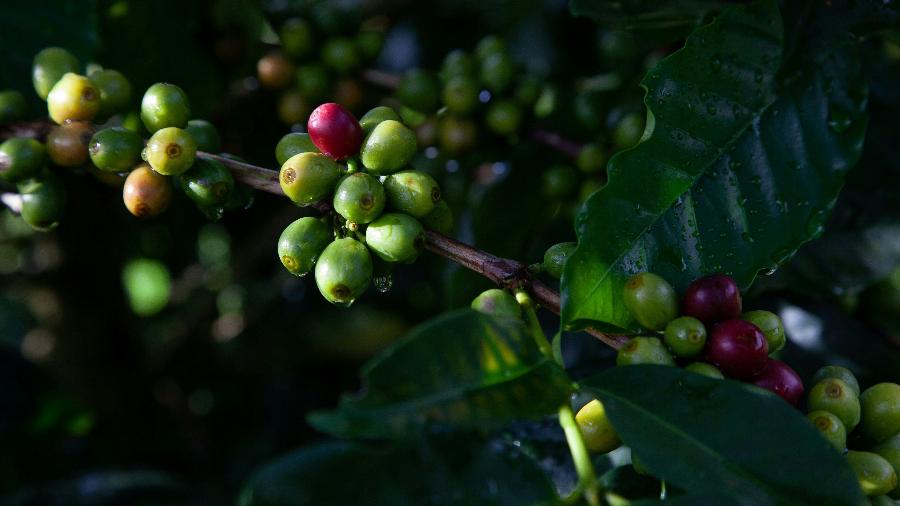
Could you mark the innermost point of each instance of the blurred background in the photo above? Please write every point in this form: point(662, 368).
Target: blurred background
point(162, 361)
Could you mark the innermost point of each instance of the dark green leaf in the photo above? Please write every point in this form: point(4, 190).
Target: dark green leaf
point(458, 472)
point(723, 438)
point(464, 369)
point(735, 171)
point(644, 15)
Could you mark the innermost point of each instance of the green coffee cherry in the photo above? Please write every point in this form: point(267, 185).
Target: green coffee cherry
point(68, 145)
point(644, 350)
point(369, 43)
point(890, 451)
point(205, 135)
point(498, 72)
point(375, 116)
point(170, 151)
point(50, 65)
point(596, 429)
point(419, 90)
point(460, 95)
point(705, 369)
point(395, 237)
point(241, 198)
point(555, 258)
point(457, 135)
point(880, 411)
point(164, 105)
point(74, 97)
point(836, 397)
point(115, 91)
point(651, 300)
point(685, 336)
point(559, 181)
point(528, 90)
point(440, 219)
point(359, 198)
point(875, 475)
point(308, 177)
point(504, 117)
point(588, 188)
point(831, 428)
point(497, 302)
point(301, 243)
point(882, 500)
point(629, 130)
point(297, 38)
point(389, 147)
point(770, 325)
point(43, 201)
point(293, 144)
point(411, 192)
point(115, 149)
point(457, 63)
point(344, 271)
point(12, 106)
point(313, 81)
point(837, 372)
point(591, 159)
point(208, 183)
point(489, 45)
point(21, 159)
point(146, 192)
point(341, 54)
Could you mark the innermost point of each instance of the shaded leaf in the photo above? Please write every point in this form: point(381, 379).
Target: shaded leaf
point(719, 437)
point(735, 171)
point(645, 15)
point(464, 369)
point(455, 472)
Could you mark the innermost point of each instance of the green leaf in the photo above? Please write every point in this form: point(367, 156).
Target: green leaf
point(720, 437)
point(455, 472)
point(735, 172)
point(645, 15)
point(464, 369)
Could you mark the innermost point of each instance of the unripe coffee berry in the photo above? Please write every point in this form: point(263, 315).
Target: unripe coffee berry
point(440, 219)
point(781, 379)
point(457, 135)
point(880, 411)
point(596, 429)
point(146, 192)
point(497, 302)
point(559, 181)
point(770, 325)
point(293, 107)
point(308, 177)
point(836, 397)
point(460, 95)
point(115, 91)
point(297, 38)
point(644, 350)
point(555, 258)
point(375, 116)
point(836, 372)
point(335, 131)
point(205, 135)
point(651, 300)
point(412, 192)
point(50, 65)
point(21, 159)
point(293, 144)
point(712, 299)
point(503, 117)
point(738, 348)
point(43, 201)
point(889, 449)
point(208, 183)
point(685, 336)
point(705, 369)
point(591, 159)
point(359, 198)
point(164, 105)
point(341, 54)
point(115, 149)
point(497, 72)
point(301, 243)
point(831, 428)
point(13, 106)
point(395, 237)
point(68, 144)
point(344, 271)
point(389, 147)
point(419, 90)
point(74, 97)
point(875, 475)
point(170, 151)
point(275, 71)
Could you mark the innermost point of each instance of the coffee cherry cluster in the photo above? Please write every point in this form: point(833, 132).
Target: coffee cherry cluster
point(362, 169)
point(316, 62)
point(869, 421)
point(708, 333)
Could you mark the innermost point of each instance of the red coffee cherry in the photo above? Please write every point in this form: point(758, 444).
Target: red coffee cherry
point(712, 299)
point(778, 377)
point(738, 348)
point(335, 131)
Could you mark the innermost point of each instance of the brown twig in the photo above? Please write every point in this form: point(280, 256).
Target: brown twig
point(500, 271)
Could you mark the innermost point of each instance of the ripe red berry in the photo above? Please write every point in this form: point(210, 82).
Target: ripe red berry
point(712, 299)
point(738, 348)
point(781, 379)
point(335, 131)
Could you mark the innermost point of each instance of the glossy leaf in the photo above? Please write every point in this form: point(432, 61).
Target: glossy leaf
point(458, 472)
point(735, 172)
point(720, 437)
point(463, 369)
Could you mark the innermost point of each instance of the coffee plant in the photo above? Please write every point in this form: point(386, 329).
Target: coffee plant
point(622, 252)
